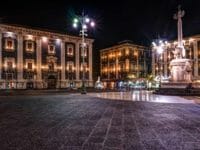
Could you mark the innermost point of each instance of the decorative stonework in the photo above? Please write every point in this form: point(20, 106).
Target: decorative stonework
point(181, 68)
point(31, 51)
point(29, 46)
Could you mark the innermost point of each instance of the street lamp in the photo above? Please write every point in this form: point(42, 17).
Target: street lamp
point(160, 46)
point(84, 22)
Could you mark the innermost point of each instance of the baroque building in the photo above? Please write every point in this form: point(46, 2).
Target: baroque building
point(161, 61)
point(31, 58)
point(124, 62)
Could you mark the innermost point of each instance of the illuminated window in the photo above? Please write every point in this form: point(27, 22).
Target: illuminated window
point(70, 51)
point(127, 51)
point(135, 53)
point(127, 64)
point(83, 66)
point(51, 49)
point(9, 64)
point(30, 66)
point(29, 46)
point(9, 44)
point(70, 66)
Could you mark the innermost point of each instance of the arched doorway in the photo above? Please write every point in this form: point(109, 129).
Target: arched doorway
point(52, 82)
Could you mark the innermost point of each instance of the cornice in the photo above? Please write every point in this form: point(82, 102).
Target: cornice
point(40, 33)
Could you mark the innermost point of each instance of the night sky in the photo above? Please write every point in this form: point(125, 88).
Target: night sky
point(140, 20)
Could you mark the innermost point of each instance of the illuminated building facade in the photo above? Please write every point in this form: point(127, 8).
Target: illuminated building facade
point(40, 59)
point(122, 62)
point(161, 61)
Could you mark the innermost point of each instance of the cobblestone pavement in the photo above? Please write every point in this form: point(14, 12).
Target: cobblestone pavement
point(73, 122)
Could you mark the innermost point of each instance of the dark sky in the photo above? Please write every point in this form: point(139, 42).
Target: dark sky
point(138, 20)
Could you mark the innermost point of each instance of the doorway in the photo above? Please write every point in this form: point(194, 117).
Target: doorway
point(52, 82)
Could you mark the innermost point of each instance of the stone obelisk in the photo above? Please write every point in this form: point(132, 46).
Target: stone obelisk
point(178, 16)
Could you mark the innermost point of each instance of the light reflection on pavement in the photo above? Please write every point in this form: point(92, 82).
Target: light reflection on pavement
point(141, 95)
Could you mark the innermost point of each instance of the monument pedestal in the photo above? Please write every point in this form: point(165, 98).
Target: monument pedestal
point(181, 70)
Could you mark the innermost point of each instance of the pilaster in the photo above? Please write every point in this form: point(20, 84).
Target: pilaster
point(90, 62)
point(19, 57)
point(195, 58)
point(77, 60)
point(39, 55)
point(63, 60)
point(116, 68)
point(1, 65)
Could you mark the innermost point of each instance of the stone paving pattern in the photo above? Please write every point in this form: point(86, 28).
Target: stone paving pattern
point(74, 122)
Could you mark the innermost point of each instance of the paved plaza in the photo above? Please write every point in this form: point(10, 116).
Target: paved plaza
point(99, 122)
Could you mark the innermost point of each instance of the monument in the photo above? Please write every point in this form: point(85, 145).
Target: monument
point(99, 84)
point(181, 70)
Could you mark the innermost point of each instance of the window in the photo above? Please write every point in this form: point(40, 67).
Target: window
point(127, 51)
point(84, 66)
point(9, 44)
point(51, 49)
point(70, 50)
point(9, 76)
point(29, 46)
point(70, 66)
point(127, 64)
point(9, 65)
point(30, 66)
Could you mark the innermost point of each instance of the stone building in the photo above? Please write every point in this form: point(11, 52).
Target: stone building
point(38, 59)
point(161, 61)
point(124, 62)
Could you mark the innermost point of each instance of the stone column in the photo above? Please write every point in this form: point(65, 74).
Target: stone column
point(20, 60)
point(63, 63)
point(39, 62)
point(90, 64)
point(1, 65)
point(77, 60)
point(195, 58)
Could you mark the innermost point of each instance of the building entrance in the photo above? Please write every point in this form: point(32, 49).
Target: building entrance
point(52, 82)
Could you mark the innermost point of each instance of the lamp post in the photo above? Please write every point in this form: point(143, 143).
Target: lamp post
point(84, 22)
point(160, 46)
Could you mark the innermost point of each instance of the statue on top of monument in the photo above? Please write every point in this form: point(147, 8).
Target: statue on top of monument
point(180, 13)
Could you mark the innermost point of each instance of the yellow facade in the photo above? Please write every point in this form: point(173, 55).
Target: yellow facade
point(122, 62)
